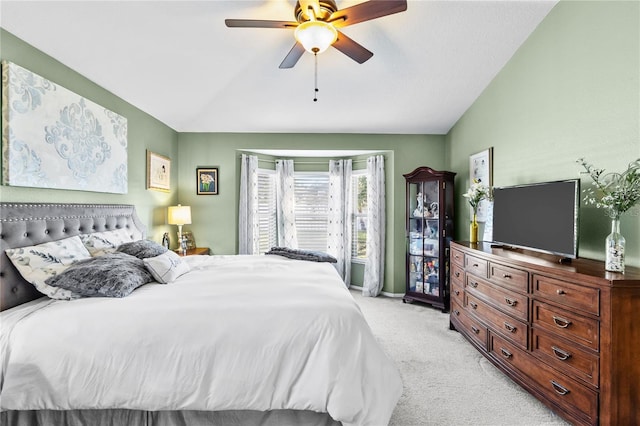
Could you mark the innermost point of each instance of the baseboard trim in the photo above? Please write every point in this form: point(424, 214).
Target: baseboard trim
point(384, 293)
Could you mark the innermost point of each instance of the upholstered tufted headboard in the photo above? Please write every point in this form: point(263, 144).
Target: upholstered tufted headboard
point(26, 224)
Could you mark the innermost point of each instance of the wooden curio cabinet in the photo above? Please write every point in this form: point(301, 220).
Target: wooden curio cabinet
point(429, 229)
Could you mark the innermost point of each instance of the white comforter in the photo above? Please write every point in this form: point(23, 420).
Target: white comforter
point(237, 332)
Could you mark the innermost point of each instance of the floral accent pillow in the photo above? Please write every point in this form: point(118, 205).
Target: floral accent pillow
point(167, 267)
point(38, 263)
point(100, 243)
point(109, 275)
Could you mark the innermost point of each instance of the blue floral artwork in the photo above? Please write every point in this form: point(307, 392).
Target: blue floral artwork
point(54, 138)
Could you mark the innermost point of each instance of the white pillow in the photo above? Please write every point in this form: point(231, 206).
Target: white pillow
point(42, 261)
point(167, 267)
point(100, 243)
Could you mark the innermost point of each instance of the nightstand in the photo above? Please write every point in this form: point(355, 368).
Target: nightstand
point(204, 251)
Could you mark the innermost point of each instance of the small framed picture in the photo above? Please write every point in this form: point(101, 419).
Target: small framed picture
point(158, 172)
point(207, 180)
point(191, 241)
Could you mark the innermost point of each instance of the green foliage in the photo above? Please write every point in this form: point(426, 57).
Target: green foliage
point(614, 192)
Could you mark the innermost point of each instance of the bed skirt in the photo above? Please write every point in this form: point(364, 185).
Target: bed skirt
point(165, 418)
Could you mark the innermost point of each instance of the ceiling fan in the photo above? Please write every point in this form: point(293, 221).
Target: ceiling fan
point(317, 23)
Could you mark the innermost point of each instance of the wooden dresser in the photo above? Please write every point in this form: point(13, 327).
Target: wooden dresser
point(567, 333)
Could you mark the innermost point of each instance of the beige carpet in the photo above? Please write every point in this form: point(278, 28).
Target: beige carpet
point(446, 381)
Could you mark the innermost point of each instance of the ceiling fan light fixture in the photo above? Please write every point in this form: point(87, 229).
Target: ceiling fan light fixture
point(316, 36)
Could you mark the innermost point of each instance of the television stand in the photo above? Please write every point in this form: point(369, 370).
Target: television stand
point(567, 334)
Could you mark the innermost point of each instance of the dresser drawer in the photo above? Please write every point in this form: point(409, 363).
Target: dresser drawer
point(563, 391)
point(569, 325)
point(457, 274)
point(475, 265)
point(457, 292)
point(566, 357)
point(457, 257)
point(470, 326)
point(586, 299)
point(509, 277)
point(506, 300)
point(511, 328)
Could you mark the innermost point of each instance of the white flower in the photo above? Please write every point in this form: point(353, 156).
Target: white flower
point(476, 193)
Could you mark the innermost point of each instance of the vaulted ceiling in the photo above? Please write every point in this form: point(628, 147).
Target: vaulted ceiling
point(177, 61)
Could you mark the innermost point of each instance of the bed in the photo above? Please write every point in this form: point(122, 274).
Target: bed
point(235, 340)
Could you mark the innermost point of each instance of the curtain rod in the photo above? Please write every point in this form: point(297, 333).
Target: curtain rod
point(264, 160)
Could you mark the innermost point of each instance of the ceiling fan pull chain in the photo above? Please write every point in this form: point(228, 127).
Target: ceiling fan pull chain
point(315, 95)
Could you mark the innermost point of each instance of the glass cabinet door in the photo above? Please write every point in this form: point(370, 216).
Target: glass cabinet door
point(424, 243)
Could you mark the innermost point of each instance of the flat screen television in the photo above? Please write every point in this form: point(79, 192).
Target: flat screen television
point(541, 216)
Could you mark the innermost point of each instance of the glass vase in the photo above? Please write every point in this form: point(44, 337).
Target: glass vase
point(473, 230)
point(615, 248)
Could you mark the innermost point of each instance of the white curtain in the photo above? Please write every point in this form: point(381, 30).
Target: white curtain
point(374, 268)
point(285, 204)
point(339, 218)
point(248, 220)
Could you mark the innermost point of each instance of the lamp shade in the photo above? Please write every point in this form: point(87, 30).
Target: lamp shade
point(316, 36)
point(179, 215)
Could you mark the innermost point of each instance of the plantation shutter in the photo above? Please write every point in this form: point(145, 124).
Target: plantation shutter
point(267, 210)
point(312, 200)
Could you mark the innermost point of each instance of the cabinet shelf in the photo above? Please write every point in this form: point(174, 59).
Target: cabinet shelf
point(429, 227)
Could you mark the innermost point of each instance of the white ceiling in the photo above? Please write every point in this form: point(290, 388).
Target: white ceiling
point(177, 61)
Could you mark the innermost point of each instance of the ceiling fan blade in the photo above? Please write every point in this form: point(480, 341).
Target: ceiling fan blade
point(366, 11)
point(292, 57)
point(352, 49)
point(257, 23)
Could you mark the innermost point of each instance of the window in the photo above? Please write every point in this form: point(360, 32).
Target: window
point(312, 201)
point(359, 215)
point(267, 209)
point(311, 191)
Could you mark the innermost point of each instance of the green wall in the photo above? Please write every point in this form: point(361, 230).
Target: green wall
point(215, 217)
point(570, 91)
point(144, 132)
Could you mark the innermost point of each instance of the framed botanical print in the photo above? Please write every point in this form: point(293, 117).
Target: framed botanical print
point(158, 172)
point(207, 180)
point(481, 170)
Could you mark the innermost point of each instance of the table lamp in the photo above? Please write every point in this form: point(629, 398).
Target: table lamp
point(179, 215)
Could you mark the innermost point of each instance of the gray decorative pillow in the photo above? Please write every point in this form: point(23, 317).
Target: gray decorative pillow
point(142, 249)
point(109, 275)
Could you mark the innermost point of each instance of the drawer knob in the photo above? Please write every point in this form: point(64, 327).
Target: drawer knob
point(475, 329)
point(560, 292)
point(456, 312)
point(473, 305)
point(506, 353)
point(457, 274)
point(560, 354)
point(506, 275)
point(561, 322)
point(473, 284)
point(510, 302)
point(457, 292)
point(475, 265)
point(561, 390)
point(510, 328)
